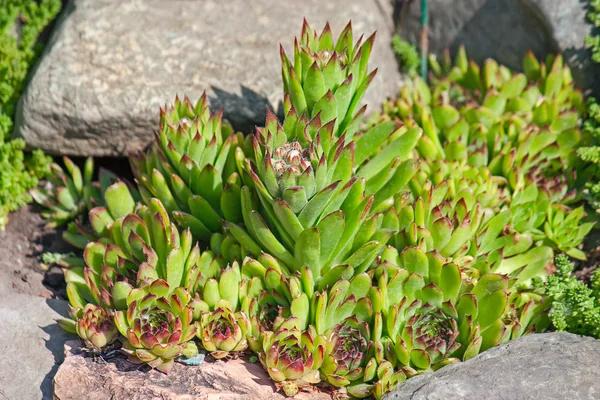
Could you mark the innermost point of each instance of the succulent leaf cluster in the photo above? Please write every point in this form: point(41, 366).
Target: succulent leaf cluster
point(191, 167)
point(518, 130)
point(341, 254)
point(328, 78)
point(72, 194)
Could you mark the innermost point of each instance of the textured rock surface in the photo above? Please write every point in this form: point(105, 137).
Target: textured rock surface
point(31, 344)
point(506, 29)
point(111, 64)
point(117, 379)
point(550, 366)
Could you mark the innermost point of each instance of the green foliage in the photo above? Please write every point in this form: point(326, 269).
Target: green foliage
point(591, 123)
point(56, 258)
point(592, 41)
point(357, 256)
point(72, 194)
point(18, 52)
point(591, 153)
point(19, 172)
point(407, 55)
point(518, 130)
point(575, 307)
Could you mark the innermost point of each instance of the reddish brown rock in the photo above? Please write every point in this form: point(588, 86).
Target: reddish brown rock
point(82, 377)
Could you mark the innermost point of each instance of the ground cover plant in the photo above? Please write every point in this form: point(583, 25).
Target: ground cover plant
point(19, 172)
point(574, 301)
point(343, 253)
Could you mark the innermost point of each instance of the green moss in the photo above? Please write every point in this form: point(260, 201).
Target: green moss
point(591, 153)
point(21, 22)
point(576, 306)
point(592, 41)
point(407, 55)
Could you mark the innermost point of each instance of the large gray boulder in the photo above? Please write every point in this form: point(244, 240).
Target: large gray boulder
point(110, 65)
point(506, 29)
point(550, 366)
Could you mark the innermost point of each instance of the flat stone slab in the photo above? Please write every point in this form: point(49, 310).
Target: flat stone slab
point(507, 29)
point(83, 377)
point(110, 65)
point(549, 366)
point(30, 344)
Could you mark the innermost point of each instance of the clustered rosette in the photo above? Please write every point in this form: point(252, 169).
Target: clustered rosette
point(520, 130)
point(292, 357)
point(222, 332)
point(93, 325)
point(158, 324)
point(340, 255)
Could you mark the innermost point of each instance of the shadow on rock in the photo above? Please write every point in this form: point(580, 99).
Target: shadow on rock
point(249, 107)
point(55, 343)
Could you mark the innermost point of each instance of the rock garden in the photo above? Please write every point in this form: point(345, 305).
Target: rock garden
point(380, 199)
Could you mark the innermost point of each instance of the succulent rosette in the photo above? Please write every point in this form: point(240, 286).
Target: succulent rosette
point(328, 79)
point(158, 324)
point(349, 355)
point(468, 312)
point(112, 203)
point(139, 245)
point(191, 167)
point(93, 325)
point(310, 212)
point(522, 129)
point(436, 220)
point(428, 338)
point(68, 195)
point(455, 225)
point(292, 357)
point(269, 296)
point(223, 332)
point(488, 190)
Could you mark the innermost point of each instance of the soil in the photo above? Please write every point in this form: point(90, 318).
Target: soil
point(21, 247)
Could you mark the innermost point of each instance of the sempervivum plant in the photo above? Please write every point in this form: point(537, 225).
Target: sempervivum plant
point(456, 227)
point(222, 331)
point(68, 196)
point(521, 129)
point(488, 190)
point(348, 257)
point(113, 202)
point(435, 313)
point(142, 245)
point(347, 353)
point(222, 327)
point(93, 325)
point(311, 211)
point(327, 78)
point(191, 167)
point(340, 310)
point(158, 324)
point(292, 357)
